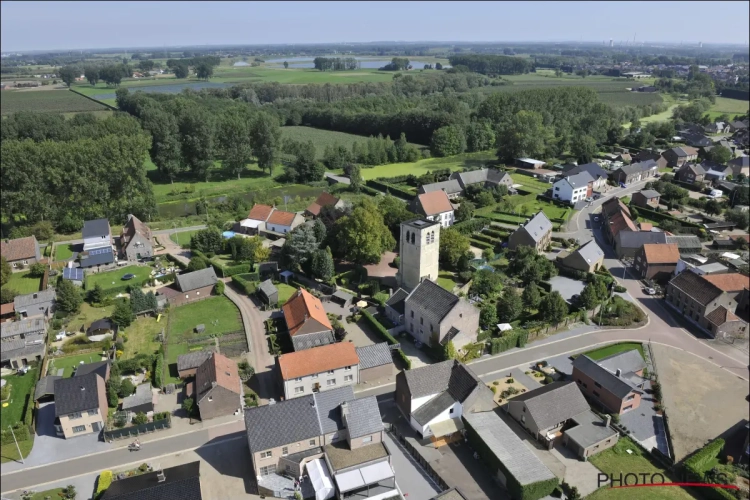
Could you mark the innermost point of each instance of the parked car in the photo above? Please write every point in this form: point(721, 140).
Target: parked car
point(128, 276)
point(589, 199)
point(650, 291)
point(623, 185)
point(60, 336)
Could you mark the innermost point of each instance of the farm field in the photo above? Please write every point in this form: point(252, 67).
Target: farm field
point(218, 314)
point(69, 363)
point(251, 179)
point(46, 101)
point(323, 138)
point(728, 106)
point(424, 166)
point(113, 278)
point(23, 283)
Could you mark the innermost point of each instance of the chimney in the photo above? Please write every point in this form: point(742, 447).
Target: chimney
point(609, 420)
point(160, 476)
point(618, 372)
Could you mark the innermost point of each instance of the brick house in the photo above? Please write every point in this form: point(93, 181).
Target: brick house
point(218, 388)
point(617, 391)
point(187, 364)
point(306, 321)
point(635, 172)
point(657, 261)
point(690, 173)
point(318, 369)
point(587, 258)
point(190, 287)
point(537, 233)
point(646, 198)
point(646, 155)
point(136, 241)
point(323, 200)
point(676, 157)
point(21, 252)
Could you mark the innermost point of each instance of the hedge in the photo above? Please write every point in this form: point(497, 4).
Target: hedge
point(21, 432)
point(512, 338)
point(471, 226)
point(387, 188)
point(387, 336)
point(158, 372)
point(496, 233)
point(481, 244)
point(697, 464)
point(104, 482)
point(486, 238)
point(247, 286)
point(171, 258)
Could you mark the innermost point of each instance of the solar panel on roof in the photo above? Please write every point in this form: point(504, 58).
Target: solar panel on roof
point(98, 251)
point(74, 273)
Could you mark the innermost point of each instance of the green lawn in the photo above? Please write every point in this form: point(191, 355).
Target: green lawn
point(86, 316)
point(617, 460)
point(69, 363)
point(63, 251)
point(285, 291)
point(54, 494)
point(9, 452)
point(113, 279)
point(142, 336)
point(446, 280)
point(218, 314)
point(173, 351)
point(20, 386)
point(183, 237)
point(728, 106)
point(609, 350)
point(23, 283)
point(424, 166)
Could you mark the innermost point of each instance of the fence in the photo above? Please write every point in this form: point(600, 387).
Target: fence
point(137, 430)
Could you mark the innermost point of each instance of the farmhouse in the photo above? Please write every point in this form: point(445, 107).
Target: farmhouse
point(21, 252)
point(451, 187)
point(190, 287)
point(635, 172)
point(594, 170)
point(256, 219)
point(435, 206)
point(25, 329)
point(306, 321)
point(35, 304)
point(628, 243)
point(536, 233)
point(136, 240)
point(487, 177)
point(282, 222)
point(587, 258)
point(218, 388)
point(657, 261)
point(318, 369)
point(188, 363)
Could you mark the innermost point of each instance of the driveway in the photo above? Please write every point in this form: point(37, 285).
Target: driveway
point(646, 426)
point(49, 448)
point(582, 475)
point(414, 483)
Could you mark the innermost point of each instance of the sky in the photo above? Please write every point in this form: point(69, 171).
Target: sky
point(65, 25)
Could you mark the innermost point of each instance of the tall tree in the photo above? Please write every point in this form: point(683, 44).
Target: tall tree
point(322, 264)
point(510, 306)
point(92, 74)
point(68, 297)
point(453, 245)
point(553, 308)
point(204, 70)
point(5, 270)
point(265, 139)
point(299, 246)
point(531, 296)
point(122, 316)
point(181, 71)
point(355, 176)
point(448, 141)
point(394, 213)
point(488, 316)
point(234, 140)
point(196, 128)
point(286, 65)
point(584, 148)
point(68, 74)
point(363, 236)
point(524, 134)
point(166, 149)
point(719, 154)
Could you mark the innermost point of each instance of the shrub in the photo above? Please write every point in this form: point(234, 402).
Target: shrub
point(510, 381)
point(104, 481)
point(126, 388)
point(493, 389)
point(140, 418)
point(158, 371)
point(620, 289)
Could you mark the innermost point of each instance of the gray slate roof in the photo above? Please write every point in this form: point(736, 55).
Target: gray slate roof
point(76, 394)
point(590, 252)
point(696, 287)
point(142, 396)
point(580, 179)
point(638, 167)
point(450, 375)
point(590, 430)
point(538, 226)
point(517, 458)
point(100, 367)
point(450, 187)
point(480, 175)
point(196, 279)
point(268, 288)
point(628, 361)
point(31, 299)
point(553, 403)
point(619, 386)
point(21, 348)
point(45, 386)
point(397, 300)
point(192, 359)
point(433, 408)
point(593, 169)
point(98, 256)
point(181, 482)
point(95, 228)
point(435, 301)
point(328, 407)
point(374, 355)
point(636, 239)
point(274, 425)
point(650, 193)
point(363, 417)
point(23, 327)
point(684, 241)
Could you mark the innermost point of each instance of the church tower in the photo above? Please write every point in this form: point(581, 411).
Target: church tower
point(419, 250)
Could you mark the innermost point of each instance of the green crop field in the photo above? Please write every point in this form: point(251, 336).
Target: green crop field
point(323, 138)
point(46, 101)
point(729, 107)
point(424, 166)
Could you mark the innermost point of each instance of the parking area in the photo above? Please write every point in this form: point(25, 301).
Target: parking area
point(702, 400)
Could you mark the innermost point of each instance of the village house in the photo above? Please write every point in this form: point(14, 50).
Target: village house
point(187, 364)
point(690, 173)
point(487, 177)
point(573, 188)
point(587, 258)
point(717, 128)
point(635, 172)
point(451, 187)
point(615, 384)
point(657, 261)
point(740, 165)
point(181, 482)
point(646, 155)
point(142, 401)
point(255, 220)
point(190, 287)
point(687, 244)
point(318, 369)
point(136, 242)
point(281, 222)
point(676, 157)
point(25, 329)
point(96, 234)
point(217, 390)
point(627, 243)
point(435, 206)
point(35, 304)
point(323, 200)
point(433, 398)
point(536, 233)
point(21, 252)
point(101, 368)
point(646, 198)
point(80, 405)
point(596, 172)
point(375, 362)
point(306, 321)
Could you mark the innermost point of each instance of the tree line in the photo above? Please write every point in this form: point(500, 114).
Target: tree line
point(486, 64)
point(335, 63)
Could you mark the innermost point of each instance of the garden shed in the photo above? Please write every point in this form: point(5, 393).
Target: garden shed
point(268, 293)
point(140, 402)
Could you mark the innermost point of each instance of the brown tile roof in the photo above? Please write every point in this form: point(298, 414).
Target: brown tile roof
point(613, 206)
point(18, 249)
point(696, 287)
point(133, 226)
point(435, 202)
point(302, 306)
point(317, 360)
point(8, 308)
point(281, 218)
point(260, 212)
point(220, 369)
point(661, 253)
point(323, 200)
point(646, 226)
point(731, 282)
point(620, 222)
point(721, 315)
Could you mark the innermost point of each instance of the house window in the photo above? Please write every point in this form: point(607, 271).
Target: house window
point(298, 379)
point(331, 381)
point(367, 439)
point(75, 415)
point(630, 398)
point(597, 384)
point(421, 321)
point(312, 442)
point(299, 390)
point(284, 451)
point(596, 394)
point(348, 378)
point(266, 454)
point(412, 314)
point(93, 412)
point(348, 369)
point(79, 428)
point(330, 372)
point(267, 470)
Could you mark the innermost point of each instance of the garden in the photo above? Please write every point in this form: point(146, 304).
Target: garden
point(68, 364)
point(218, 315)
point(142, 336)
point(113, 279)
point(16, 412)
point(23, 283)
point(64, 251)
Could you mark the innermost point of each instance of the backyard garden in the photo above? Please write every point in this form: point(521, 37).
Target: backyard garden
point(112, 279)
point(23, 283)
point(16, 411)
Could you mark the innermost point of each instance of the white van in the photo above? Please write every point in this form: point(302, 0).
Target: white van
point(716, 193)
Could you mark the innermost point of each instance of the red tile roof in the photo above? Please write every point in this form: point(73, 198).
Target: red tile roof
point(661, 253)
point(324, 200)
point(302, 306)
point(435, 202)
point(8, 308)
point(731, 282)
point(281, 218)
point(260, 212)
point(721, 315)
point(646, 226)
point(18, 249)
point(317, 360)
point(220, 369)
point(620, 222)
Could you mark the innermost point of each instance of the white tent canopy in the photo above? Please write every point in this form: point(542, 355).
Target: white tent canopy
point(321, 479)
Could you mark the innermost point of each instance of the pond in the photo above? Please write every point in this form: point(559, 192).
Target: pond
point(364, 62)
point(175, 88)
point(175, 209)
